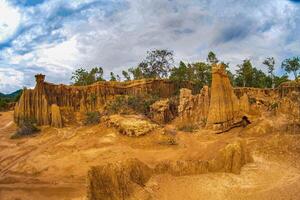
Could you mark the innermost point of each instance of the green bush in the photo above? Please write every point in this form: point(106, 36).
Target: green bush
point(27, 127)
point(118, 105)
point(92, 118)
point(3, 103)
point(138, 104)
point(141, 104)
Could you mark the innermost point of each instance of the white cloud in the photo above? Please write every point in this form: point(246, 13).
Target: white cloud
point(10, 79)
point(63, 56)
point(116, 34)
point(9, 20)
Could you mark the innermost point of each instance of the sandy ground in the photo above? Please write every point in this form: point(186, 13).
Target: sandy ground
point(54, 163)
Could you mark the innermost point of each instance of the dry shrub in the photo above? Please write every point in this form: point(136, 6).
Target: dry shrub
point(128, 104)
point(189, 124)
point(27, 127)
point(187, 127)
point(168, 138)
point(92, 118)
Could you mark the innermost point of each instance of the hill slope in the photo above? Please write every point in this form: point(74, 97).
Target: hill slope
point(11, 95)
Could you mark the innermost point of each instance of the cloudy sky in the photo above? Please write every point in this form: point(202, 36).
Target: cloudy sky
point(55, 37)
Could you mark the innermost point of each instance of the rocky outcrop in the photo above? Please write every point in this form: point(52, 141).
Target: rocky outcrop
point(33, 104)
point(162, 111)
point(116, 181)
point(182, 167)
point(256, 92)
point(219, 109)
point(56, 119)
point(193, 108)
point(244, 104)
point(222, 100)
point(285, 89)
point(265, 99)
point(232, 158)
point(130, 125)
point(36, 104)
point(119, 180)
point(290, 106)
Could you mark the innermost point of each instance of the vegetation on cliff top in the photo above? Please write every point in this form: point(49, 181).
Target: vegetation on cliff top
point(160, 64)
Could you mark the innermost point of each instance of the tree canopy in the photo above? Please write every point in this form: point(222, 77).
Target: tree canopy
point(199, 73)
point(270, 63)
point(157, 64)
point(292, 65)
point(84, 77)
point(212, 58)
point(160, 64)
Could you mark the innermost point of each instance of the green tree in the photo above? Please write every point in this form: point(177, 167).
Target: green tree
point(83, 77)
point(212, 58)
point(280, 79)
point(201, 74)
point(18, 96)
point(136, 73)
point(3, 103)
point(270, 63)
point(249, 76)
point(244, 74)
point(179, 73)
point(291, 65)
point(231, 77)
point(198, 72)
point(112, 77)
point(126, 75)
point(157, 64)
point(260, 79)
point(118, 77)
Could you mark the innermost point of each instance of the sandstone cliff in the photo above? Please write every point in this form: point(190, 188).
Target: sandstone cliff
point(56, 119)
point(33, 104)
point(36, 103)
point(117, 181)
point(219, 106)
point(193, 108)
point(162, 111)
point(222, 100)
point(244, 104)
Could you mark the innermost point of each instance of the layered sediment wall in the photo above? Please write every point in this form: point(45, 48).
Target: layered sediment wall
point(36, 103)
point(223, 101)
point(218, 105)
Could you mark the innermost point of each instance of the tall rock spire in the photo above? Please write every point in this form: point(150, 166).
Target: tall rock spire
point(222, 100)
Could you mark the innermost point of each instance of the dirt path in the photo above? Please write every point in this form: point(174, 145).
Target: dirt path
point(7, 125)
point(15, 185)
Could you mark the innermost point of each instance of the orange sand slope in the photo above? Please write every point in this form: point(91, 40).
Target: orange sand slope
point(54, 163)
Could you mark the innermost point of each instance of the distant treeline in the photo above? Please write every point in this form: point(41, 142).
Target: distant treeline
point(6, 99)
point(160, 64)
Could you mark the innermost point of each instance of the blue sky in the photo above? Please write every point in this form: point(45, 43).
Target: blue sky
point(56, 37)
